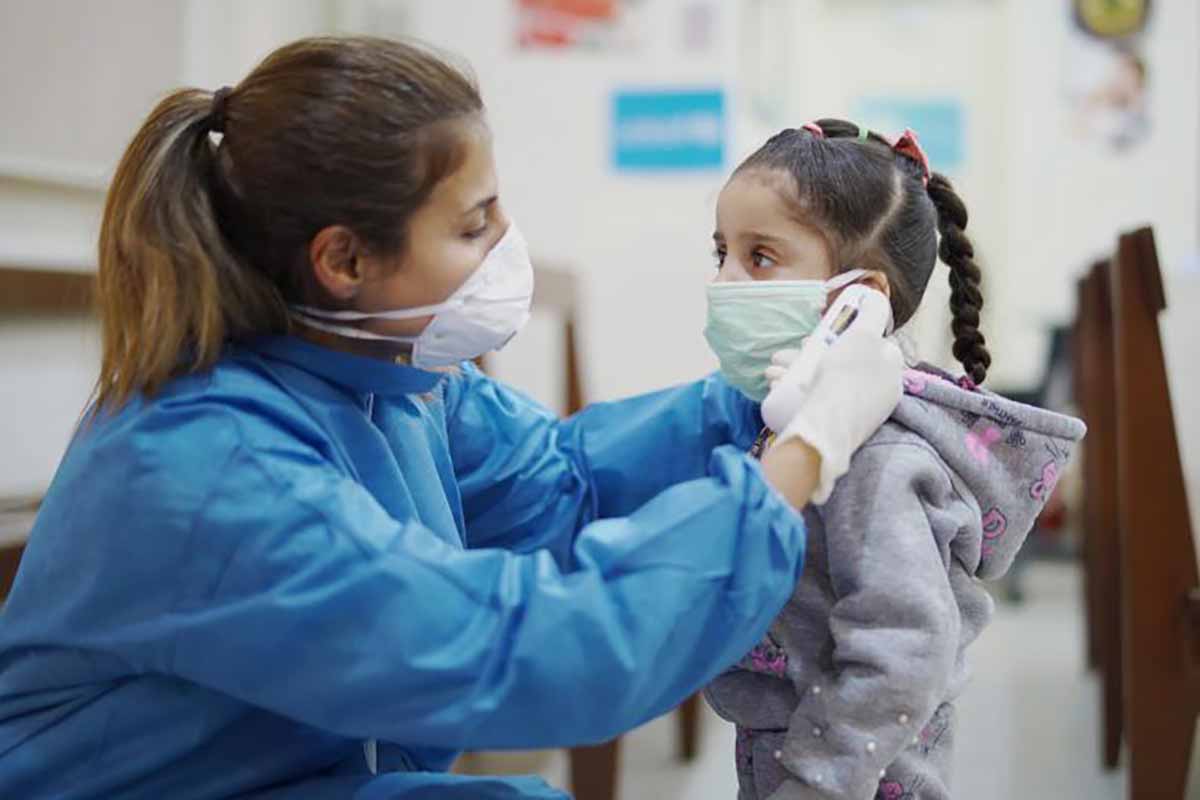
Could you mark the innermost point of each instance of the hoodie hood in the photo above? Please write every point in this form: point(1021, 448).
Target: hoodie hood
point(1007, 455)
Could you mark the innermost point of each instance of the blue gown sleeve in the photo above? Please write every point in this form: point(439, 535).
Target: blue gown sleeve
point(314, 603)
point(530, 480)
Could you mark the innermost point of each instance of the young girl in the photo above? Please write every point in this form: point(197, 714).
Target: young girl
point(851, 694)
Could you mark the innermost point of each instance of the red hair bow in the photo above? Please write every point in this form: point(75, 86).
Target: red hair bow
point(907, 145)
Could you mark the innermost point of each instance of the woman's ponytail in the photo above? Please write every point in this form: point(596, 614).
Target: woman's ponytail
point(966, 299)
point(170, 289)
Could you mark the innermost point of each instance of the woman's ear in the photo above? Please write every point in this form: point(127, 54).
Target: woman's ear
point(335, 256)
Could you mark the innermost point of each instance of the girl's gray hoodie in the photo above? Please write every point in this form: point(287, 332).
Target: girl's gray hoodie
point(851, 693)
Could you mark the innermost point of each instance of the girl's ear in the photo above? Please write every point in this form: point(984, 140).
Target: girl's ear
point(878, 280)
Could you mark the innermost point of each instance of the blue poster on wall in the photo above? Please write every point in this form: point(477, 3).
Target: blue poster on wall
point(676, 130)
point(939, 124)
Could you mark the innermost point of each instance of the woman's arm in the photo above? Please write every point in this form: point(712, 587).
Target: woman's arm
point(307, 599)
point(530, 480)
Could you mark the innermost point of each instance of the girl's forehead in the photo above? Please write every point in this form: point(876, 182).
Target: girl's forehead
point(758, 189)
point(758, 199)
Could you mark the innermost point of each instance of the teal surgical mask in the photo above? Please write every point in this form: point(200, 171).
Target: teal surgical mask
point(750, 321)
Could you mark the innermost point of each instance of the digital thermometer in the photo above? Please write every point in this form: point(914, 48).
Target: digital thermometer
point(857, 304)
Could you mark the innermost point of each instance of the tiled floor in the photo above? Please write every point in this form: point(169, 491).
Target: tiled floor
point(1030, 719)
point(1029, 726)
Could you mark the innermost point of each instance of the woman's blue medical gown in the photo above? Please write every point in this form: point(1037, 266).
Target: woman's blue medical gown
point(314, 574)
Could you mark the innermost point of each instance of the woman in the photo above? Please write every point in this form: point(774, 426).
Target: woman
point(300, 545)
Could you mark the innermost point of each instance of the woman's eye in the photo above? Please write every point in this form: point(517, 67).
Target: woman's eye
point(719, 255)
point(761, 260)
point(475, 233)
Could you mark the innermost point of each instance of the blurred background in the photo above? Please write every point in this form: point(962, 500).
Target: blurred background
point(1062, 122)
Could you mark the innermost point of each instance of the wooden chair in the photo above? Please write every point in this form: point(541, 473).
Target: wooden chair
point(1082, 395)
point(1097, 389)
point(16, 519)
point(11, 548)
point(28, 292)
point(1161, 600)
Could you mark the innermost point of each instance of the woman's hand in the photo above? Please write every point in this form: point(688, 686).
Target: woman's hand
point(839, 402)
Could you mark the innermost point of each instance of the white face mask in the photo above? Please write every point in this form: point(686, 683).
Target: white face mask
point(480, 316)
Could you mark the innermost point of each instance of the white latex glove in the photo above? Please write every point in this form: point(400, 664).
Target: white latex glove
point(837, 401)
point(785, 397)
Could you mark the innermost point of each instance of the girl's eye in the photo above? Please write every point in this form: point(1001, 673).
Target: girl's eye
point(719, 255)
point(761, 260)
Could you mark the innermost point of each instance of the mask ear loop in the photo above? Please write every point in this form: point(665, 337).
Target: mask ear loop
point(359, 316)
point(352, 333)
point(844, 279)
point(849, 278)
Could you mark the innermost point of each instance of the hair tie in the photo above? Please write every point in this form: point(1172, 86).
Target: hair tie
point(216, 112)
point(814, 129)
point(908, 146)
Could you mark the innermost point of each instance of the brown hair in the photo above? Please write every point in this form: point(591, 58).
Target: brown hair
point(874, 208)
point(204, 241)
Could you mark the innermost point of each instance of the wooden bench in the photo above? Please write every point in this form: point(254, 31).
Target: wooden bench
point(1141, 586)
point(1159, 581)
point(1096, 391)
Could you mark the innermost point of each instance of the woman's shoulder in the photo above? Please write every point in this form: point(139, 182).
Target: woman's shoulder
point(199, 416)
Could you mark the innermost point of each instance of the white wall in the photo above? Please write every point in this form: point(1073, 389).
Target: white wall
point(47, 369)
point(70, 90)
point(222, 40)
point(1067, 198)
point(73, 90)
